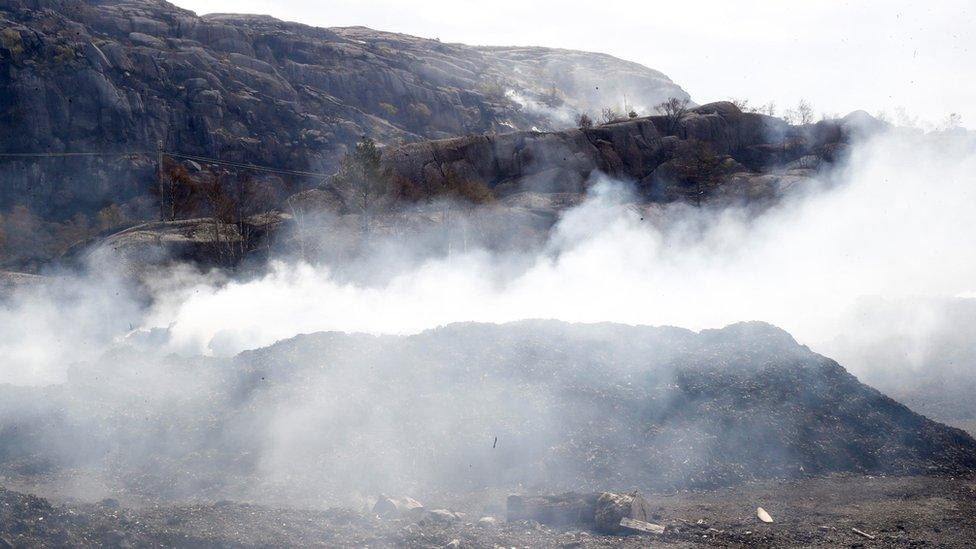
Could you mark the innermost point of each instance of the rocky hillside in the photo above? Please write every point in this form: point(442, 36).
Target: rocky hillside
point(542, 405)
point(120, 75)
point(521, 181)
point(709, 150)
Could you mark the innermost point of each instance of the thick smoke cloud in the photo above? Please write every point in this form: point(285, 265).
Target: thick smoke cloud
point(866, 267)
point(895, 223)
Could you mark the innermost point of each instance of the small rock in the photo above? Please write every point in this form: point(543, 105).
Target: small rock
point(485, 522)
point(611, 508)
point(641, 526)
point(406, 507)
point(762, 515)
point(441, 515)
point(109, 503)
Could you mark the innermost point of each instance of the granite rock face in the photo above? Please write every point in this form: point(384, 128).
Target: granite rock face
point(117, 76)
point(121, 75)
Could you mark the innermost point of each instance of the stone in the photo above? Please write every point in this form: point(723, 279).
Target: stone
point(401, 507)
point(487, 522)
point(611, 508)
point(641, 526)
point(441, 515)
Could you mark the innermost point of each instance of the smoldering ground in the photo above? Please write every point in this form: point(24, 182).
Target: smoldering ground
point(142, 396)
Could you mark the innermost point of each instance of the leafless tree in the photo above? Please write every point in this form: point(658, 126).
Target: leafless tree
point(741, 104)
point(609, 115)
point(215, 194)
point(674, 110)
point(905, 119)
point(768, 109)
point(583, 121)
point(802, 114)
point(952, 121)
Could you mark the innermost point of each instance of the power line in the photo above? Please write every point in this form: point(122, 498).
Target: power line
point(62, 154)
point(173, 154)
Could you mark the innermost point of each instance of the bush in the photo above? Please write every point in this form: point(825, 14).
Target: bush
point(110, 217)
point(419, 111)
point(10, 39)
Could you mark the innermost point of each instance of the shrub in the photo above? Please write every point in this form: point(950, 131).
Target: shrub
point(419, 111)
point(389, 109)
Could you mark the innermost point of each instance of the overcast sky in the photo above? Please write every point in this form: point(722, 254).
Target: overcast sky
point(838, 55)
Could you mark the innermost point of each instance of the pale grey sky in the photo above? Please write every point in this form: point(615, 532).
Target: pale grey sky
point(838, 55)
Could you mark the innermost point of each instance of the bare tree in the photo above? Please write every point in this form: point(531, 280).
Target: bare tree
point(905, 119)
point(768, 109)
point(609, 115)
point(583, 121)
point(802, 114)
point(183, 193)
point(805, 111)
point(674, 110)
point(952, 121)
point(222, 207)
point(741, 104)
point(250, 196)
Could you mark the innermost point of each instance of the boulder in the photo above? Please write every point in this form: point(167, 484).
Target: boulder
point(398, 507)
point(556, 510)
point(611, 508)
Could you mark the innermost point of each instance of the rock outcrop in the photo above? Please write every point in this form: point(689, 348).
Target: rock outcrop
point(121, 75)
point(12, 281)
point(733, 152)
point(204, 242)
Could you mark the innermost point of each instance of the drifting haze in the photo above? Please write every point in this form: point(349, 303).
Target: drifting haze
point(896, 224)
point(839, 56)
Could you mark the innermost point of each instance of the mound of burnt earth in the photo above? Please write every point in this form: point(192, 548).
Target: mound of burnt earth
point(535, 405)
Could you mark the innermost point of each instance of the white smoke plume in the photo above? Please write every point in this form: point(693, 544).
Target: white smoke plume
point(896, 225)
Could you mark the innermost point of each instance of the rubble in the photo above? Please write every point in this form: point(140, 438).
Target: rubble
point(402, 507)
point(576, 408)
point(641, 526)
point(803, 505)
point(612, 508)
point(601, 511)
point(441, 515)
point(487, 522)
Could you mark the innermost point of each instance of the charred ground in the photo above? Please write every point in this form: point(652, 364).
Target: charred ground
point(538, 406)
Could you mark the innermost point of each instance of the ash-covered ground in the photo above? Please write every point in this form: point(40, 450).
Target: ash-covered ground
point(915, 511)
point(307, 433)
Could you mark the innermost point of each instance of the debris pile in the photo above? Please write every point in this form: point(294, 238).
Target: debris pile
point(542, 405)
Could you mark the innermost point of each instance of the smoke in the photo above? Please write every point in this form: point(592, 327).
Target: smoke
point(896, 226)
point(868, 267)
point(560, 116)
